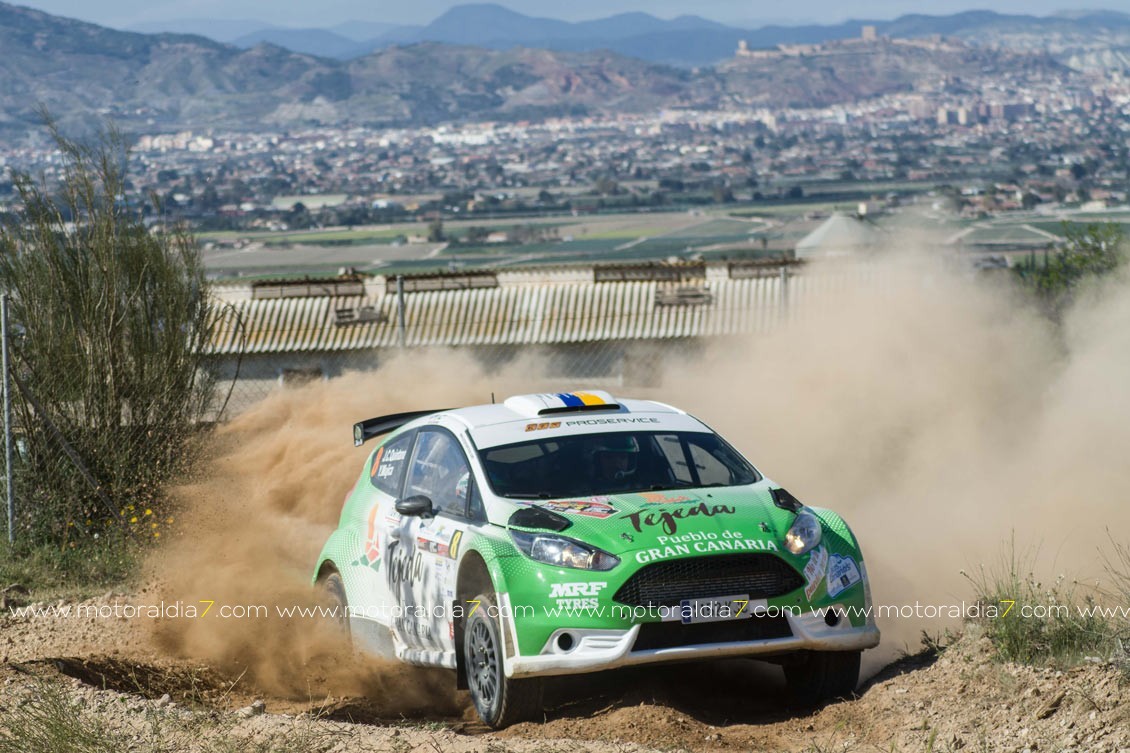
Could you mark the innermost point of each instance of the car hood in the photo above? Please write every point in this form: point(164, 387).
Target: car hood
point(623, 524)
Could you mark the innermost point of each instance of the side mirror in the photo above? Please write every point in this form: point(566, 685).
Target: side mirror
point(415, 505)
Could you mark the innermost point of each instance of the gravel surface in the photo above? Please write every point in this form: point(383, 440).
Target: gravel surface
point(109, 680)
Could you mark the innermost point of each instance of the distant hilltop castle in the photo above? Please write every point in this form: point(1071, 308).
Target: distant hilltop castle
point(868, 36)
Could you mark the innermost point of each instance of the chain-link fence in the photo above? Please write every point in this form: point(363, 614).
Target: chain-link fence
point(599, 364)
point(88, 451)
point(64, 472)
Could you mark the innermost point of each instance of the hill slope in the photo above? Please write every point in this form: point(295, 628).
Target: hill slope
point(695, 41)
point(687, 40)
point(81, 71)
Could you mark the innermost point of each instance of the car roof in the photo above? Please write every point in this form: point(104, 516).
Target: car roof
point(541, 415)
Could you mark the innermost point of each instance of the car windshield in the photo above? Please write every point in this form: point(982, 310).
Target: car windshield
point(587, 465)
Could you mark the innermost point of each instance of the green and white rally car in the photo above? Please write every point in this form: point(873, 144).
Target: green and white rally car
point(574, 532)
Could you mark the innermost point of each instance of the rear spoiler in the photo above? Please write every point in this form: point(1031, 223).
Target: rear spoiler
point(374, 427)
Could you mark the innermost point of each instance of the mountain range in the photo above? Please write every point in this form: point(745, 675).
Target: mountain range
point(687, 41)
point(82, 73)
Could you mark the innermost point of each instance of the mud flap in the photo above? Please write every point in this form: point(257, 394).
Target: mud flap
point(507, 629)
point(457, 639)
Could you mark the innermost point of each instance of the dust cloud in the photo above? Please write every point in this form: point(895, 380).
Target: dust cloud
point(933, 408)
point(943, 417)
point(251, 526)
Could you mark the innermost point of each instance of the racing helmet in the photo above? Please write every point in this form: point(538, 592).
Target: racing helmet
point(615, 455)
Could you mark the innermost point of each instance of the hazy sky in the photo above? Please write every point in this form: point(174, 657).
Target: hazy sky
point(125, 13)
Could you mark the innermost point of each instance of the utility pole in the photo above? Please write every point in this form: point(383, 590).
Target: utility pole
point(8, 473)
point(401, 334)
point(784, 293)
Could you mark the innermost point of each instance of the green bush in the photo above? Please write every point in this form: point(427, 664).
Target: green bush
point(111, 322)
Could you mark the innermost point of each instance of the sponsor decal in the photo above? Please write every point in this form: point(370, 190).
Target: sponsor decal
point(403, 565)
point(577, 589)
point(412, 626)
point(814, 570)
point(592, 508)
point(842, 573)
point(577, 596)
point(735, 544)
point(438, 543)
point(662, 553)
point(371, 549)
point(543, 425)
point(659, 498)
point(703, 543)
point(431, 546)
point(602, 421)
point(578, 605)
point(668, 520)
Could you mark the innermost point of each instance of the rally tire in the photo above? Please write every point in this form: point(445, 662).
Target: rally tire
point(820, 676)
point(500, 701)
point(333, 595)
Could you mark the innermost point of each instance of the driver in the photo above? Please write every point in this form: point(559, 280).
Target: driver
point(614, 460)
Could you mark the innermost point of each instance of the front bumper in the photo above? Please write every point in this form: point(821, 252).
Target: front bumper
point(591, 650)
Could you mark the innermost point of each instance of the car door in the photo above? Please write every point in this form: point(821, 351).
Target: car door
point(425, 578)
point(377, 527)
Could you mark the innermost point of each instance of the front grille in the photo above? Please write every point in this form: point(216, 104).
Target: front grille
point(666, 584)
point(656, 635)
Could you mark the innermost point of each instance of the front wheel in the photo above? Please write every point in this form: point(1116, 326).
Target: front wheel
point(332, 597)
point(500, 701)
point(819, 676)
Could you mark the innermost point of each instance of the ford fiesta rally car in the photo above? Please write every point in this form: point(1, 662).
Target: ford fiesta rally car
point(564, 533)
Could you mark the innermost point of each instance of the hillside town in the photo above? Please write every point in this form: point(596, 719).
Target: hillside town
point(993, 144)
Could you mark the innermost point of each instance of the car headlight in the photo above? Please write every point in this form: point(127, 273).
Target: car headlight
point(562, 552)
point(804, 534)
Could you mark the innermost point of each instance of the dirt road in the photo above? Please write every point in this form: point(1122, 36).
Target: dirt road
point(110, 679)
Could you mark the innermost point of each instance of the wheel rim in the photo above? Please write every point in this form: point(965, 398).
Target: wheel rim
point(483, 665)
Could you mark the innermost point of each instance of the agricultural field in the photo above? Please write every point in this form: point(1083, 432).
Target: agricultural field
point(405, 248)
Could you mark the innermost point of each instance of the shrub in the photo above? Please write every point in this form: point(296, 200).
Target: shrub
point(112, 324)
point(1035, 623)
point(1090, 251)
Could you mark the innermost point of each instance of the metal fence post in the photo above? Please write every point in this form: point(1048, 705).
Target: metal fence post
point(784, 293)
point(8, 486)
point(401, 335)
